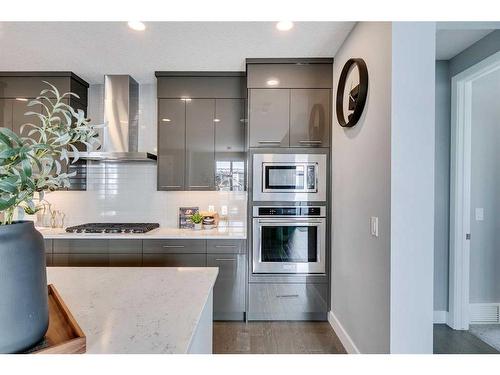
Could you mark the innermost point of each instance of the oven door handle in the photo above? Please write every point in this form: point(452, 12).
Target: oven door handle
point(291, 221)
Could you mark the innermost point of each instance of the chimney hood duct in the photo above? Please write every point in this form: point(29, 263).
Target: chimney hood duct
point(120, 136)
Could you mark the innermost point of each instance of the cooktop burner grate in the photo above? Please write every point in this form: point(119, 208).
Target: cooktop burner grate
point(113, 228)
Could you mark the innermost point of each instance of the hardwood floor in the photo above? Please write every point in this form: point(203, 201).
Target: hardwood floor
point(275, 338)
point(449, 341)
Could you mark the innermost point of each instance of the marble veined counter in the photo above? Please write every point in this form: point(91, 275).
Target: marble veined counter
point(228, 232)
point(140, 310)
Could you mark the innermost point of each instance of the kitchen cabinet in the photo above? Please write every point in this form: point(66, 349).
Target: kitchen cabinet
point(174, 260)
point(269, 117)
point(171, 144)
point(48, 252)
point(96, 260)
point(230, 148)
point(310, 118)
point(201, 131)
point(305, 301)
point(200, 146)
point(6, 113)
point(229, 289)
point(169, 246)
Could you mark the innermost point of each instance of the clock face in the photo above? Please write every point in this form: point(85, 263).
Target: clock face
point(351, 92)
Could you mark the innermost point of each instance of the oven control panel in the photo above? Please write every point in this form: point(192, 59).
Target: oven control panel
point(301, 211)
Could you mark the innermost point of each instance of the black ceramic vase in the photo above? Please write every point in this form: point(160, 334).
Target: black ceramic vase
point(24, 314)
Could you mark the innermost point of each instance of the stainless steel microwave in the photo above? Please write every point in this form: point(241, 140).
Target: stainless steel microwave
point(289, 177)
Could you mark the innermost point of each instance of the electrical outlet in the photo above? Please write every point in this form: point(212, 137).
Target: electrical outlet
point(374, 226)
point(479, 214)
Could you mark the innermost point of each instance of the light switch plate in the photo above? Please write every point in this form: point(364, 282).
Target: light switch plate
point(374, 226)
point(479, 214)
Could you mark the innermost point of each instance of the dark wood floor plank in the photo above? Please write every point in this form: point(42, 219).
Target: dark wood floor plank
point(275, 338)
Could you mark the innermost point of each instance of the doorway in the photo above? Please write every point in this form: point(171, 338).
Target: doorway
point(474, 284)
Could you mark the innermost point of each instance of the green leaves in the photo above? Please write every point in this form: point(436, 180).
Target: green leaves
point(33, 164)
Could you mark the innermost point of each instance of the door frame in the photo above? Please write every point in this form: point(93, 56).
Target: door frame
point(460, 188)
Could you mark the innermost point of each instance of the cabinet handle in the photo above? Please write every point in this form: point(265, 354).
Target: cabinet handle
point(287, 296)
point(225, 260)
point(315, 142)
point(226, 246)
point(173, 246)
point(265, 142)
point(199, 186)
point(171, 186)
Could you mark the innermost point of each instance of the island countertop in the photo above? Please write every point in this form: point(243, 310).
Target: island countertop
point(228, 232)
point(136, 310)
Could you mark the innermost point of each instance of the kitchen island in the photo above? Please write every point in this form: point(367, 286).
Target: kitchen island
point(140, 310)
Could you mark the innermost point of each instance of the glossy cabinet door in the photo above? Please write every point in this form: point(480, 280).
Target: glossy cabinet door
point(229, 289)
point(269, 117)
point(174, 260)
point(6, 113)
point(171, 144)
point(200, 144)
point(310, 118)
point(96, 260)
point(19, 108)
point(230, 153)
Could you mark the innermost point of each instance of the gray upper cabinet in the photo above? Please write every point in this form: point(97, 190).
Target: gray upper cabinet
point(230, 154)
point(171, 144)
point(201, 130)
point(269, 117)
point(6, 113)
point(200, 139)
point(310, 118)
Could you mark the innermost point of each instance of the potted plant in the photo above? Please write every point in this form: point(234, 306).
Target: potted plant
point(31, 165)
point(197, 219)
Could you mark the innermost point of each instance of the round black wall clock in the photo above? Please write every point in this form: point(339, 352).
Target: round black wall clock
point(351, 92)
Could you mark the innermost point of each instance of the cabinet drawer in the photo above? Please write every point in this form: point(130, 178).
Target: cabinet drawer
point(97, 260)
point(82, 246)
point(174, 260)
point(174, 246)
point(288, 301)
point(226, 246)
point(48, 260)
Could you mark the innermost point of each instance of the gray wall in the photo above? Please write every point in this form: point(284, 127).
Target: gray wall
point(442, 186)
point(485, 190)
point(412, 186)
point(483, 48)
point(361, 189)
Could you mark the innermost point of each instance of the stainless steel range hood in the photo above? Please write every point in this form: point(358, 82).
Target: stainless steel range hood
point(119, 141)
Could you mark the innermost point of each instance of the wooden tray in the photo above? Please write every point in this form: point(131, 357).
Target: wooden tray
point(64, 335)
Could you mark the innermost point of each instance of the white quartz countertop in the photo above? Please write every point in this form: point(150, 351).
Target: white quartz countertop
point(227, 232)
point(135, 310)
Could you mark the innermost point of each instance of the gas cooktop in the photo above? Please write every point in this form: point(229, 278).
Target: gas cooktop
point(113, 228)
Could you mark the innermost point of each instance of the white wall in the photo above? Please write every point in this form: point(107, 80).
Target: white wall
point(442, 186)
point(382, 287)
point(412, 186)
point(485, 190)
point(361, 189)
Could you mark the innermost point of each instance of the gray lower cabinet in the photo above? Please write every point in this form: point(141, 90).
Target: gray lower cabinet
point(310, 119)
point(48, 252)
point(229, 289)
point(200, 144)
point(97, 253)
point(288, 301)
point(171, 144)
point(174, 246)
point(269, 117)
point(174, 260)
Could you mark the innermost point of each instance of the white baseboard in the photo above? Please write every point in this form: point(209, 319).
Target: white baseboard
point(440, 317)
point(342, 334)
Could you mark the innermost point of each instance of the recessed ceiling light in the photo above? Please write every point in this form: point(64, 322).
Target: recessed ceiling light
point(284, 25)
point(272, 82)
point(137, 25)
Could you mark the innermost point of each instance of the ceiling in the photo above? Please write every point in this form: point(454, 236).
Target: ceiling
point(450, 42)
point(92, 49)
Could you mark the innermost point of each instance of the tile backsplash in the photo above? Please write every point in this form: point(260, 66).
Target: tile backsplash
point(126, 192)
